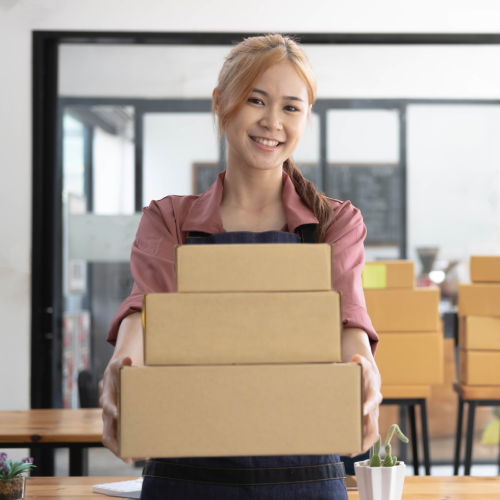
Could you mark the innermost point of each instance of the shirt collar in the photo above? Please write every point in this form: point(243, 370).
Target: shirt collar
point(204, 215)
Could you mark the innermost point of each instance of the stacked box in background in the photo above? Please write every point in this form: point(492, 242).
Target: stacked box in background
point(243, 360)
point(406, 319)
point(479, 323)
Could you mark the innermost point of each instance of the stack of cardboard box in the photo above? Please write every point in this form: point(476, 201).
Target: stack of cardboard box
point(479, 326)
point(407, 321)
point(243, 360)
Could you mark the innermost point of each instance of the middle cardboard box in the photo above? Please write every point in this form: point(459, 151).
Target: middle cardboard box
point(235, 328)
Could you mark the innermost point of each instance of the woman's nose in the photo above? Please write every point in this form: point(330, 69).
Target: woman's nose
point(271, 120)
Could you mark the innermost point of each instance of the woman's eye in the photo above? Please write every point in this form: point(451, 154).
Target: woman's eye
point(254, 100)
point(291, 108)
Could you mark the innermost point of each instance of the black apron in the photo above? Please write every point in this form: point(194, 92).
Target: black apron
point(292, 477)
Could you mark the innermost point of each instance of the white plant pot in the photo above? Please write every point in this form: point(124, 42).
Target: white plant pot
point(380, 483)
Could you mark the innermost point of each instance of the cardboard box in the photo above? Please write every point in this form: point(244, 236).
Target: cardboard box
point(411, 358)
point(479, 300)
point(219, 328)
point(388, 274)
point(479, 332)
point(485, 269)
point(480, 367)
point(240, 410)
point(404, 310)
point(254, 268)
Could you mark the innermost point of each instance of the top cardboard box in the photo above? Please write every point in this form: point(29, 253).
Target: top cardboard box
point(485, 269)
point(254, 268)
point(479, 300)
point(404, 310)
point(388, 274)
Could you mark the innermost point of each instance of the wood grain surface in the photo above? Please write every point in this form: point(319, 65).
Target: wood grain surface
point(426, 488)
point(477, 391)
point(51, 426)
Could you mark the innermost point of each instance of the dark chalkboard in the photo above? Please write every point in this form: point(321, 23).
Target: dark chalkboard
point(204, 175)
point(376, 191)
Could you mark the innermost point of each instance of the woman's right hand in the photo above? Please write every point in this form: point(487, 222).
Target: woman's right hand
point(129, 350)
point(108, 402)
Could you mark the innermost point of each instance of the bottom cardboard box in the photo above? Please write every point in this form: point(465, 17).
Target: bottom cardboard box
point(479, 367)
point(411, 358)
point(240, 410)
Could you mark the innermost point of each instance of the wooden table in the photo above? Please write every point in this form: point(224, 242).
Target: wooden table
point(425, 488)
point(42, 430)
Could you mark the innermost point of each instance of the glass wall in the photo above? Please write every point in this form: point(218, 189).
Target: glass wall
point(98, 191)
point(369, 141)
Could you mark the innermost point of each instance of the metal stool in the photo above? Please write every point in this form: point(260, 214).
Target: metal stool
point(408, 396)
point(474, 396)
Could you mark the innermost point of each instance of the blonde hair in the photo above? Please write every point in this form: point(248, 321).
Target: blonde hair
point(243, 66)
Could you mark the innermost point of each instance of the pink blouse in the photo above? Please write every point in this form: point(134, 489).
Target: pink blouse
point(167, 222)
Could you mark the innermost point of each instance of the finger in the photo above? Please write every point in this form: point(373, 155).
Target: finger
point(372, 402)
point(109, 437)
point(109, 409)
point(357, 358)
point(125, 361)
point(371, 430)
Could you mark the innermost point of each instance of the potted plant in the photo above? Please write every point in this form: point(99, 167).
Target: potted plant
point(381, 479)
point(12, 482)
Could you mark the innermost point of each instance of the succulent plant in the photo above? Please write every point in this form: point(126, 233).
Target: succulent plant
point(389, 460)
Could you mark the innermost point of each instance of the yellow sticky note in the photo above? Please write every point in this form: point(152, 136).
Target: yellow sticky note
point(374, 276)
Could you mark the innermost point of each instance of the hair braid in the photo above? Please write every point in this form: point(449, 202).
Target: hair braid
point(316, 202)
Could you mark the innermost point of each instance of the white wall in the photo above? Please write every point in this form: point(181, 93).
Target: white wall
point(342, 71)
point(18, 18)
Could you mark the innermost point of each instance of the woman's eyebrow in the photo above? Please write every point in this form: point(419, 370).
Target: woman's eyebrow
point(286, 97)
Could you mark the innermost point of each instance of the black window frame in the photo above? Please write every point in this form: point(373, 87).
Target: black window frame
point(46, 280)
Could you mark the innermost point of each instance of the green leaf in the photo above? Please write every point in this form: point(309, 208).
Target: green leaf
point(375, 461)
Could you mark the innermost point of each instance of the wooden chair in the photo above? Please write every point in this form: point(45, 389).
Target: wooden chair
point(474, 396)
point(407, 397)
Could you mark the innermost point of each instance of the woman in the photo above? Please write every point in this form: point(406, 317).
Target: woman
point(262, 102)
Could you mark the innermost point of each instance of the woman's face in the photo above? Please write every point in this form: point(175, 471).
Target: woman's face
point(269, 126)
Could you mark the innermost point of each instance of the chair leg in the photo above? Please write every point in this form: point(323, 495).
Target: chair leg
point(414, 442)
point(402, 426)
point(470, 437)
point(78, 461)
point(44, 459)
point(425, 437)
point(458, 435)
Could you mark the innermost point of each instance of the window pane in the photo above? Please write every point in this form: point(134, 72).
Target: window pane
point(176, 146)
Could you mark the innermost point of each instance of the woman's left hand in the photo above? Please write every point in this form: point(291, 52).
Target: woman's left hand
point(373, 398)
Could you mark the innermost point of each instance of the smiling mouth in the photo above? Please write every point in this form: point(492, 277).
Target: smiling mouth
point(265, 142)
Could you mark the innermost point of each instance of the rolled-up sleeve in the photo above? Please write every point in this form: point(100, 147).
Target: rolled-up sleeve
point(347, 233)
point(151, 262)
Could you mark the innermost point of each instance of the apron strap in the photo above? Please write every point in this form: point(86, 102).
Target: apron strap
point(306, 231)
point(307, 234)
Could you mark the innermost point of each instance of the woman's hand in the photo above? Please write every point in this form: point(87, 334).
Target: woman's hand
point(108, 403)
point(129, 351)
point(356, 348)
point(373, 398)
